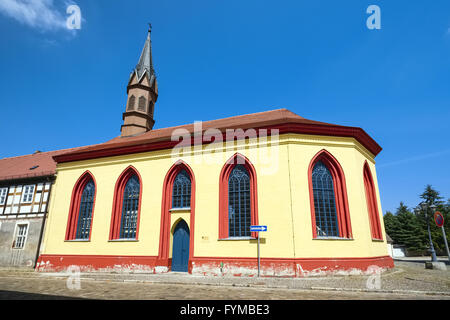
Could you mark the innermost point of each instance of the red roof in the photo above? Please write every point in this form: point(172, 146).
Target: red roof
point(39, 164)
point(282, 119)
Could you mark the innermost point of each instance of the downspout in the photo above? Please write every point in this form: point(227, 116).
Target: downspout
point(292, 213)
point(38, 251)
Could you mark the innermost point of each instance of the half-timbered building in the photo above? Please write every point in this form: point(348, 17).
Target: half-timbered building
point(25, 186)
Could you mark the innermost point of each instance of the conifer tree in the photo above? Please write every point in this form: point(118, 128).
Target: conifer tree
point(410, 229)
point(392, 226)
point(410, 232)
point(432, 197)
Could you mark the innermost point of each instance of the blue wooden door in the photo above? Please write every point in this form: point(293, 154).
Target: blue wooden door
point(180, 252)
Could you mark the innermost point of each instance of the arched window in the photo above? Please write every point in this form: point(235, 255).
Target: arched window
point(239, 211)
point(81, 208)
point(372, 206)
point(126, 206)
point(141, 105)
point(130, 206)
point(328, 197)
point(131, 102)
point(181, 193)
point(238, 208)
point(85, 214)
point(324, 203)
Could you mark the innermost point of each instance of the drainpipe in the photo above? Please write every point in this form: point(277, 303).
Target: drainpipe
point(44, 219)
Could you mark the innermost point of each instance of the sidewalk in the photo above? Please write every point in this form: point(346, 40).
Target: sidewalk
point(404, 278)
point(423, 259)
point(408, 277)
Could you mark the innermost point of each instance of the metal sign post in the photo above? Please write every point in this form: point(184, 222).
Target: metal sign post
point(258, 229)
point(259, 257)
point(439, 219)
point(445, 241)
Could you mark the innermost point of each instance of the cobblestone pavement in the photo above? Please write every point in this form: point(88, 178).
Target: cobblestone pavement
point(408, 280)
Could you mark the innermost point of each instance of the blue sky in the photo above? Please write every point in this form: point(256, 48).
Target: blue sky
point(214, 59)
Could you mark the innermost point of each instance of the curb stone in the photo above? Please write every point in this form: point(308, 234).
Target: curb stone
point(269, 284)
point(249, 285)
point(383, 291)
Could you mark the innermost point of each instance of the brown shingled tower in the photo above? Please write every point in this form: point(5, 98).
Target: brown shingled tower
point(142, 93)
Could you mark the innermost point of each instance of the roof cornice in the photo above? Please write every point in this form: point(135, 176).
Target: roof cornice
point(166, 143)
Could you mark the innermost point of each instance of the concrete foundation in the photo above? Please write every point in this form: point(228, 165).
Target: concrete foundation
point(435, 265)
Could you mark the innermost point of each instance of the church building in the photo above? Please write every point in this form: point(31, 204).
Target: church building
point(183, 198)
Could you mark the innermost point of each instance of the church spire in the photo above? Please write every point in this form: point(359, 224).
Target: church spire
point(145, 64)
point(142, 93)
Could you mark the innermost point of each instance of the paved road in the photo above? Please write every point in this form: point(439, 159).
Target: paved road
point(408, 280)
point(31, 285)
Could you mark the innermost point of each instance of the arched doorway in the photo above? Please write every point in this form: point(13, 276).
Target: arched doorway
point(180, 249)
point(170, 200)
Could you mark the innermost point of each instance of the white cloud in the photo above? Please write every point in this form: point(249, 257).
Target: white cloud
point(39, 14)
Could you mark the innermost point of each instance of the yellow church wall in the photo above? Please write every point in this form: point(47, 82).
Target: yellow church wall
point(273, 210)
point(351, 157)
point(283, 201)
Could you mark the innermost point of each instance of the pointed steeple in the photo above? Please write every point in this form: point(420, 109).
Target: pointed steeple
point(145, 64)
point(142, 93)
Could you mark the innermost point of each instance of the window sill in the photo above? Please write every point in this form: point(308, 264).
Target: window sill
point(123, 240)
point(237, 239)
point(332, 238)
point(78, 240)
point(377, 240)
point(180, 209)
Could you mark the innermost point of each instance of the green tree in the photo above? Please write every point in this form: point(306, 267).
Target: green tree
point(391, 225)
point(410, 233)
point(432, 197)
point(404, 228)
point(410, 229)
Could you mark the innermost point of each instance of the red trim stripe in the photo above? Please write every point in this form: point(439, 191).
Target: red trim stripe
point(210, 265)
point(313, 129)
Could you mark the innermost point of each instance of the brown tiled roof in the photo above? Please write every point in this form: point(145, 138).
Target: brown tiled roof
point(254, 120)
point(158, 138)
point(21, 167)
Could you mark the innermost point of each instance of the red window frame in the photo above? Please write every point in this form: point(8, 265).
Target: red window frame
point(164, 238)
point(372, 205)
point(223, 193)
point(74, 208)
point(340, 193)
point(116, 215)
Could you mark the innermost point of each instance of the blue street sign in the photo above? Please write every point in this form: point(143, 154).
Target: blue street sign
point(258, 228)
